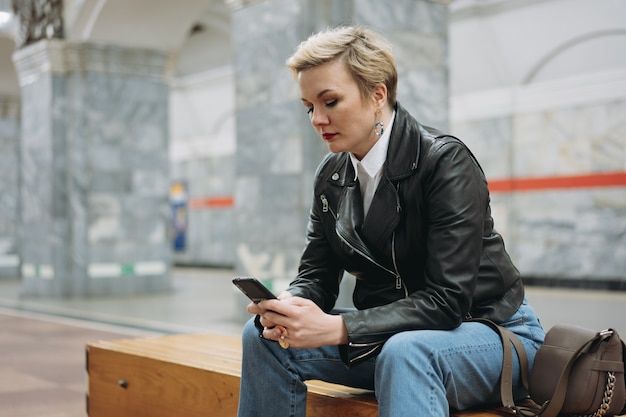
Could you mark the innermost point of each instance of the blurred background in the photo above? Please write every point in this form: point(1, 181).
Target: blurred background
point(139, 137)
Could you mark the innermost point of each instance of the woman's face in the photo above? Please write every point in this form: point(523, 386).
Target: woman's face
point(338, 112)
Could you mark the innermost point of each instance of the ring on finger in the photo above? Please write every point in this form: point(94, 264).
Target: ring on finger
point(283, 334)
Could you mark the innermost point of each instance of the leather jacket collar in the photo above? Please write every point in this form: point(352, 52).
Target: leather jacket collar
point(402, 154)
point(402, 161)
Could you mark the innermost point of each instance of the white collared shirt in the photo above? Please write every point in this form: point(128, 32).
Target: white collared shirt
point(370, 169)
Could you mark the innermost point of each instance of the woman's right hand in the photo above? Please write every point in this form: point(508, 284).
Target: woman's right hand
point(254, 308)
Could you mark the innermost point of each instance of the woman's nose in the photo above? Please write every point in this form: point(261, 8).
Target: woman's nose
point(318, 118)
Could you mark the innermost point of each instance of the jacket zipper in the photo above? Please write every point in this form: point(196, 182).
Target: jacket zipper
point(365, 354)
point(399, 283)
point(326, 207)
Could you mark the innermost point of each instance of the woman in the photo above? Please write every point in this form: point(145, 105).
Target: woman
point(405, 209)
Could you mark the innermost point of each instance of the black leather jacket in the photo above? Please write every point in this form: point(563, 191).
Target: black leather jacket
point(425, 257)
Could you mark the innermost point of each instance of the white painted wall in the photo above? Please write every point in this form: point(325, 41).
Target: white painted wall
point(497, 44)
point(202, 108)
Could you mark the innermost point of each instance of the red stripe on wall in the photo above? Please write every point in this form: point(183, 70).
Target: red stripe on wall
point(212, 202)
point(609, 179)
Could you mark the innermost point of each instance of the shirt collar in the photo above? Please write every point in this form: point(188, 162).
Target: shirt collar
point(374, 160)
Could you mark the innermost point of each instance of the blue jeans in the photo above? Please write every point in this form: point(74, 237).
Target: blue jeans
point(425, 371)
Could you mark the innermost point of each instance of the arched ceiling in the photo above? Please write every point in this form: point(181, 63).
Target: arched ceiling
point(504, 43)
point(197, 32)
point(154, 24)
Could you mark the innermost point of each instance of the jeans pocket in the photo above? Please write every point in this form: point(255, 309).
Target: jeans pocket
point(525, 323)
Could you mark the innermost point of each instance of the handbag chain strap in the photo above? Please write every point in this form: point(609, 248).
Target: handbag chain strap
point(606, 398)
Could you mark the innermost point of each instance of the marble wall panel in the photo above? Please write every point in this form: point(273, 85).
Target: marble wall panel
point(9, 145)
point(424, 94)
point(274, 216)
point(247, 194)
point(491, 141)
point(571, 140)
point(219, 179)
point(575, 233)
point(128, 121)
point(209, 239)
point(209, 235)
point(417, 31)
point(567, 234)
point(606, 131)
point(263, 18)
point(268, 139)
point(36, 223)
point(95, 171)
point(403, 15)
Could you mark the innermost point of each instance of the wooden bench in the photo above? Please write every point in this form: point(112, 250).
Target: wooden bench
point(198, 375)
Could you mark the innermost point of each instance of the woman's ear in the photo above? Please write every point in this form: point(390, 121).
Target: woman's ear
point(380, 94)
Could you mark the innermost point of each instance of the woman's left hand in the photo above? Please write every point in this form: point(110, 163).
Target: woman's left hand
point(306, 325)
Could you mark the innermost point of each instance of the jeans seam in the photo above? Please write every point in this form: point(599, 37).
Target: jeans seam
point(293, 402)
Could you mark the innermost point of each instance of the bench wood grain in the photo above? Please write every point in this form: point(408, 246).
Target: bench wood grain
point(197, 375)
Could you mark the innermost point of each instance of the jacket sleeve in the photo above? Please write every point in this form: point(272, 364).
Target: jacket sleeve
point(455, 200)
point(319, 272)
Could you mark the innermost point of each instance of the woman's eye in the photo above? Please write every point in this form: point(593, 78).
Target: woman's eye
point(309, 110)
point(331, 103)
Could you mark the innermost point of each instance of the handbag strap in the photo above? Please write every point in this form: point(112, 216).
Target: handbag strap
point(551, 407)
point(506, 376)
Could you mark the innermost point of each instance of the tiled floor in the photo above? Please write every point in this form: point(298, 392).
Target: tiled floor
point(42, 367)
point(42, 342)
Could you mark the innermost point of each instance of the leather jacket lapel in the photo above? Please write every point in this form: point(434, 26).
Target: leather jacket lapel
point(350, 218)
point(383, 215)
point(375, 231)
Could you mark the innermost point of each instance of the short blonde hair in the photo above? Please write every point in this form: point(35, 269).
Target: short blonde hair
point(366, 54)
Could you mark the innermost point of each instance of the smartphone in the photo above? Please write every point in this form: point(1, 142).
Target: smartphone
point(254, 289)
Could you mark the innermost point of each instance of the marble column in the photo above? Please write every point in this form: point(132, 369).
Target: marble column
point(277, 149)
point(94, 169)
point(9, 139)
point(418, 31)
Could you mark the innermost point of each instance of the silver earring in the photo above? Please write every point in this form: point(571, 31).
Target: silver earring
point(379, 127)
